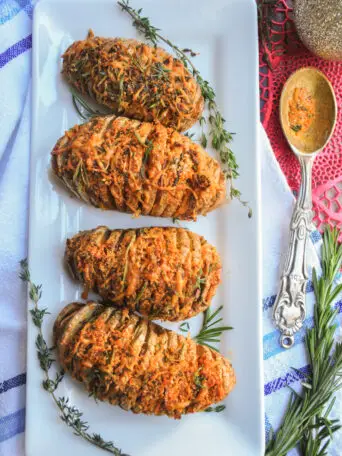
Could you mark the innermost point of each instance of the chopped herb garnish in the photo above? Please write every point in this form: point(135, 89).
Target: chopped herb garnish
point(184, 327)
point(148, 150)
point(217, 409)
point(199, 379)
point(139, 295)
point(200, 281)
point(296, 127)
point(160, 71)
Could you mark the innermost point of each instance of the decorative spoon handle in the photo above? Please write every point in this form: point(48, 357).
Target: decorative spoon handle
point(289, 308)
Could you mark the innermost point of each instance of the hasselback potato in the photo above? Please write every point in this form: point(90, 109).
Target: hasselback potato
point(138, 167)
point(163, 273)
point(140, 366)
point(134, 80)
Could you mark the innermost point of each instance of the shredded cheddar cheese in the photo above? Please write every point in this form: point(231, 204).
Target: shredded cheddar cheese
point(125, 360)
point(135, 80)
point(165, 273)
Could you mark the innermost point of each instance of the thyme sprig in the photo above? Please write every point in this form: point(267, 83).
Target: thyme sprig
point(306, 421)
point(210, 332)
point(220, 136)
point(69, 414)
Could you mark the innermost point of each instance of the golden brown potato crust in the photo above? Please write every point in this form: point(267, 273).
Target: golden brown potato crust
point(138, 167)
point(140, 366)
point(163, 273)
point(134, 80)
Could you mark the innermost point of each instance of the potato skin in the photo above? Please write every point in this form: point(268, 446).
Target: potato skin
point(163, 273)
point(138, 167)
point(134, 80)
point(140, 366)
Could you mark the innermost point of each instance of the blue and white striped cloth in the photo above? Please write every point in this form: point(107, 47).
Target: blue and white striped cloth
point(15, 70)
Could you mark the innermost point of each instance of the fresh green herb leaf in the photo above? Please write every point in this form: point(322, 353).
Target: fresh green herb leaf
point(139, 295)
point(210, 331)
point(83, 108)
point(199, 379)
point(296, 127)
point(148, 150)
point(184, 327)
point(203, 140)
point(200, 281)
point(51, 385)
point(73, 418)
point(160, 71)
point(217, 409)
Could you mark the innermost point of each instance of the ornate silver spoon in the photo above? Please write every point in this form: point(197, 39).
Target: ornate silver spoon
point(308, 115)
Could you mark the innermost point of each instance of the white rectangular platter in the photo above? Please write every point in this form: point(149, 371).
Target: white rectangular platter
point(224, 32)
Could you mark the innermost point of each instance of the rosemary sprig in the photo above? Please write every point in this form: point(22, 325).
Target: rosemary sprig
point(306, 421)
point(210, 332)
point(83, 108)
point(220, 137)
point(68, 413)
point(184, 327)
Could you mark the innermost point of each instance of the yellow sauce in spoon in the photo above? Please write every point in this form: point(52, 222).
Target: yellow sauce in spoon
point(308, 110)
point(302, 110)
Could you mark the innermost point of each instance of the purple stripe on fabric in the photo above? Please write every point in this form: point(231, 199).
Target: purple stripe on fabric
point(12, 425)
point(15, 50)
point(287, 379)
point(13, 382)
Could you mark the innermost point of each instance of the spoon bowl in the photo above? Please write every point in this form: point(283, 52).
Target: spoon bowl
point(314, 129)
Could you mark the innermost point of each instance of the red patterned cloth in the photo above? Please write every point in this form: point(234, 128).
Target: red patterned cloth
point(286, 54)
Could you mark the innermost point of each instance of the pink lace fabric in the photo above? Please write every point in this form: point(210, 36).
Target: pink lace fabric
point(286, 54)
